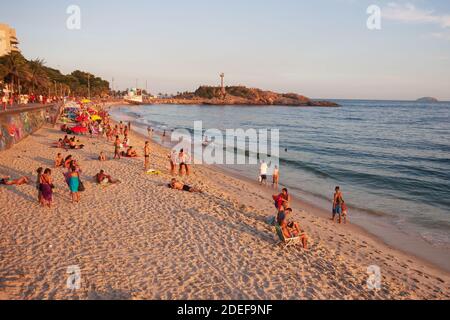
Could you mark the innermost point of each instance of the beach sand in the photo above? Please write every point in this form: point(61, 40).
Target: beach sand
point(141, 240)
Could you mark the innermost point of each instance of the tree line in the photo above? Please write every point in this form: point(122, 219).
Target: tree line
point(34, 77)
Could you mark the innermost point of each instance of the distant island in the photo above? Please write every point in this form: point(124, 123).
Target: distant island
point(427, 100)
point(241, 95)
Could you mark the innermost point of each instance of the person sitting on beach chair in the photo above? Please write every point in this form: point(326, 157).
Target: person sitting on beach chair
point(17, 182)
point(291, 233)
point(177, 185)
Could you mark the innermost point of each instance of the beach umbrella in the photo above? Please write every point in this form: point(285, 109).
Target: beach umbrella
point(79, 129)
point(85, 101)
point(96, 118)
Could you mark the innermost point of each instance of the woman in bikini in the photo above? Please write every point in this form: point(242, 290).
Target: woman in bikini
point(17, 182)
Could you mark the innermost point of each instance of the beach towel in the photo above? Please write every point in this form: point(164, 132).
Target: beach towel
point(153, 172)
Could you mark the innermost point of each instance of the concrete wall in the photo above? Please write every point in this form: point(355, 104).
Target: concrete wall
point(17, 124)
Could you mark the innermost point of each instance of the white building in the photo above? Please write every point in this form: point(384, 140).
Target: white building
point(8, 40)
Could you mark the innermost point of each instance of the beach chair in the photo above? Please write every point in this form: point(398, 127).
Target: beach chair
point(284, 241)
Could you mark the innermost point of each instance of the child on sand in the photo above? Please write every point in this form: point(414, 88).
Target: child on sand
point(344, 212)
point(59, 161)
point(102, 157)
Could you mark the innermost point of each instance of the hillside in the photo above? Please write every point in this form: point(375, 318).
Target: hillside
point(240, 95)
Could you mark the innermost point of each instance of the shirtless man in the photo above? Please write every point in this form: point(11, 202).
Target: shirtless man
point(338, 200)
point(59, 161)
point(177, 185)
point(276, 177)
point(147, 156)
point(117, 144)
point(102, 177)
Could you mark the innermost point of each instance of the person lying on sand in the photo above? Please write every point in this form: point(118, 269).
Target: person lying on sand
point(177, 185)
point(73, 144)
point(103, 178)
point(131, 153)
point(102, 157)
point(59, 161)
point(66, 140)
point(10, 182)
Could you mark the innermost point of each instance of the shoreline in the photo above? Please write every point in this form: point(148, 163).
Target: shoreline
point(371, 226)
point(140, 240)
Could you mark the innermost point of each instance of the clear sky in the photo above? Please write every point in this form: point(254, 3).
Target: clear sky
point(319, 48)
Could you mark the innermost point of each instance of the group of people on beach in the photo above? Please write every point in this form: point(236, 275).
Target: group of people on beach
point(263, 175)
point(290, 228)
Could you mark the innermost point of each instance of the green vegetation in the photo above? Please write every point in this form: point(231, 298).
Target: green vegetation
point(32, 76)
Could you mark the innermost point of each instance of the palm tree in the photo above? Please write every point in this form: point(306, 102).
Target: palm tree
point(17, 69)
point(38, 76)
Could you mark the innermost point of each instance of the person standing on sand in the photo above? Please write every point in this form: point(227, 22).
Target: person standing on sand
point(173, 160)
point(117, 148)
point(183, 160)
point(4, 102)
point(263, 173)
point(121, 128)
point(46, 188)
point(338, 200)
point(39, 172)
point(282, 200)
point(74, 184)
point(275, 177)
point(147, 156)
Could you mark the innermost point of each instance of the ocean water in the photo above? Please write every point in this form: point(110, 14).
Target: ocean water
point(391, 158)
